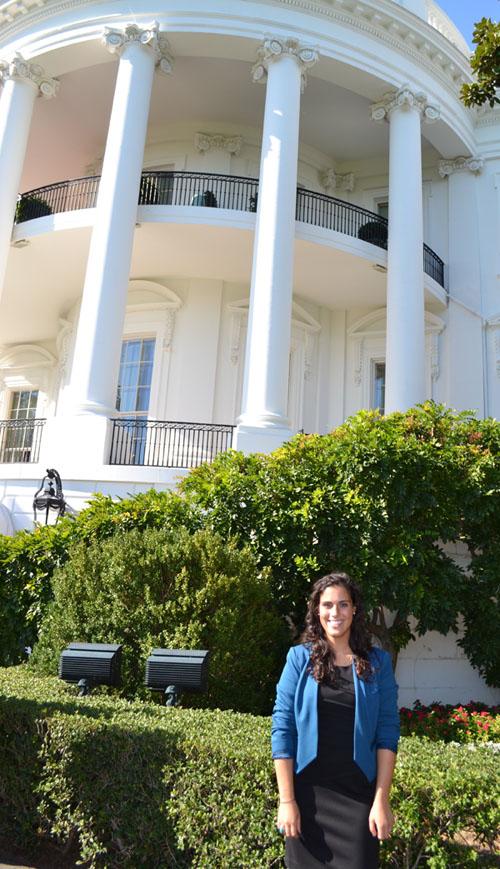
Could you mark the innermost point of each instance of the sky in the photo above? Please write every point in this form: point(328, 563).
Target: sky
point(464, 13)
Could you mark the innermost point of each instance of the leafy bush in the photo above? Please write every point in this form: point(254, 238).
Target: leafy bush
point(474, 722)
point(139, 786)
point(28, 560)
point(377, 497)
point(171, 589)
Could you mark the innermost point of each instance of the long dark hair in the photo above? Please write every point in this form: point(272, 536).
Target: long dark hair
point(322, 665)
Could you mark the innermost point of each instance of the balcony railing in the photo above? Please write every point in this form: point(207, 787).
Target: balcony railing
point(209, 190)
point(20, 440)
point(161, 444)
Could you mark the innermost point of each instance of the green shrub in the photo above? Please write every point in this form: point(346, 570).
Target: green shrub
point(28, 560)
point(140, 786)
point(171, 589)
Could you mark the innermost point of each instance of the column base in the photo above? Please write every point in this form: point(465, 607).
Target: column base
point(260, 439)
point(81, 441)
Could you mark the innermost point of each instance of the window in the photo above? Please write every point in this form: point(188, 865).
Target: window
point(134, 379)
point(134, 390)
point(18, 441)
point(23, 404)
point(378, 386)
point(383, 209)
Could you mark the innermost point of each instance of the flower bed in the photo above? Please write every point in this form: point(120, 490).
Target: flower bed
point(474, 722)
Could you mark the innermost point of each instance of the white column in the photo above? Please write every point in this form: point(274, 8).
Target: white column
point(263, 424)
point(22, 83)
point(405, 343)
point(102, 314)
point(464, 332)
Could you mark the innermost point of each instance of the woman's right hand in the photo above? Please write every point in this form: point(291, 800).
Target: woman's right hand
point(288, 819)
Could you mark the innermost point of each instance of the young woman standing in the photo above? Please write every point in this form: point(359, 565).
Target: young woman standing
point(334, 736)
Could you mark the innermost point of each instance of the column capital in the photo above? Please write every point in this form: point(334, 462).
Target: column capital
point(461, 164)
point(274, 47)
point(19, 69)
point(116, 39)
point(404, 99)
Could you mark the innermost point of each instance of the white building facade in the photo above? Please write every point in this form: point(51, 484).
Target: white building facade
point(225, 222)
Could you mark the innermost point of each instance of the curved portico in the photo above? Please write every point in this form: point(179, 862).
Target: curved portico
point(292, 198)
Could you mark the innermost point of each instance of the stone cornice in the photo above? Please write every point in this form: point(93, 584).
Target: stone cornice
point(275, 47)
point(404, 98)
point(116, 40)
point(204, 142)
point(460, 164)
point(21, 70)
point(331, 180)
point(393, 25)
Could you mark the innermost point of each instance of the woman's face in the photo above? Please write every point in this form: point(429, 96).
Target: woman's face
point(336, 612)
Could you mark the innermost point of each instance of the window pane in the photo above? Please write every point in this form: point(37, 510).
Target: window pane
point(379, 386)
point(135, 376)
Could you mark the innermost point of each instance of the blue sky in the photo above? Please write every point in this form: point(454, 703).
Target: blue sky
point(465, 12)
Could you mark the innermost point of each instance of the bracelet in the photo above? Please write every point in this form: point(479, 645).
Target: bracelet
point(284, 802)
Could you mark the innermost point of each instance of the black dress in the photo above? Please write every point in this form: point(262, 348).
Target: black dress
point(333, 794)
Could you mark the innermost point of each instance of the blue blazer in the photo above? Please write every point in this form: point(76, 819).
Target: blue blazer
point(294, 732)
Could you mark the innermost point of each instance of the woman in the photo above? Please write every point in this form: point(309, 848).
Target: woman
point(334, 736)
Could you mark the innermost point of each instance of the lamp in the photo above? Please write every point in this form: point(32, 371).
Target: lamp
point(175, 670)
point(91, 664)
point(50, 495)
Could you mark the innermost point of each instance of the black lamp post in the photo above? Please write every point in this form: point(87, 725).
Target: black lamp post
point(50, 496)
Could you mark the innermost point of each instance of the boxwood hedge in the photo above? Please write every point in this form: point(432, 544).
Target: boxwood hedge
point(135, 785)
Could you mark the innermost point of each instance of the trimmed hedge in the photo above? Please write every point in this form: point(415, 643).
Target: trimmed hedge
point(139, 786)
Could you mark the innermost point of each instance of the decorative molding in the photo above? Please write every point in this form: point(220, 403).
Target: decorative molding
point(461, 164)
point(493, 324)
point(275, 47)
point(116, 39)
point(359, 353)
point(239, 317)
point(405, 99)
point(403, 32)
point(331, 180)
point(204, 142)
point(63, 344)
point(144, 295)
point(22, 70)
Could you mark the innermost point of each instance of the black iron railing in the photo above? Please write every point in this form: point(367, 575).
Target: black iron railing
point(210, 190)
point(161, 444)
point(20, 440)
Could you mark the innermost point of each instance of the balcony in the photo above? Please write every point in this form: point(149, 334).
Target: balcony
point(20, 440)
point(162, 444)
point(208, 190)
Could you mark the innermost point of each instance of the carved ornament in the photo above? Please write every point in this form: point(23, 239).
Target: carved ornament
point(275, 47)
point(117, 39)
point(461, 164)
point(204, 142)
point(404, 99)
point(22, 70)
point(331, 180)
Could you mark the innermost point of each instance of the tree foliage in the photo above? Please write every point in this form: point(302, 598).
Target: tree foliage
point(485, 63)
point(379, 497)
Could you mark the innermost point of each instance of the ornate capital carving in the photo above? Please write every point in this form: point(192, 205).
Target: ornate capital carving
point(23, 70)
point(204, 142)
point(404, 99)
point(116, 39)
point(275, 47)
point(461, 164)
point(331, 180)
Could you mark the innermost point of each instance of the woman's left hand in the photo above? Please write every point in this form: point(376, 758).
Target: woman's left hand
point(381, 819)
